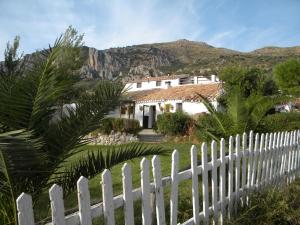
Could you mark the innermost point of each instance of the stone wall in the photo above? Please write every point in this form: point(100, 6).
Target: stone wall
point(113, 138)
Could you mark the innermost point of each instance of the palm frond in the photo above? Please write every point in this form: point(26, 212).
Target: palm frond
point(212, 111)
point(106, 157)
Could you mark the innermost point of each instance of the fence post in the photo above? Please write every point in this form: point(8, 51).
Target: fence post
point(174, 188)
point(237, 173)
point(127, 194)
point(145, 189)
point(107, 196)
point(214, 182)
point(205, 183)
point(25, 210)
point(84, 202)
point(159, 195)
point(230, 177)
point(195, 190)
point(222, 181)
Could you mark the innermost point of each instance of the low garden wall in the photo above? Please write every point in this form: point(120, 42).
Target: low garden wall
point(112, 138)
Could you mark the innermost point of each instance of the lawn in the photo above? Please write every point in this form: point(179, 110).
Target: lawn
point(42, 207)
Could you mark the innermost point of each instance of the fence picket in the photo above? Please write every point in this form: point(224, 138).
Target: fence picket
point(205, 191)
point(250, 158)
point(145, 189)
point(127, 194)
point(25, 210)
point(272, 159)
point(244, 167)
point(260, 161)
point(294, 156)
point(107, 196)
point(195, 189)
point(265, 160)
point(281, 146)
point(255, 155)
point(84, 202)
point(222, 181)
point(230, 177)
point(290, 157)
point(159, 194)
point(174, 188)
point(268, 174)
point(57, 205)
point(214, 182)
point(237, 173)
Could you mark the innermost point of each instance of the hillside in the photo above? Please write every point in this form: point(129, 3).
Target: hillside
point(181, 56)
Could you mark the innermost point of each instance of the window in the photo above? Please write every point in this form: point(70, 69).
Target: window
point(168, 83)
point(123, 110)
point(158, 83)
point(138, 85)
point(178, 107)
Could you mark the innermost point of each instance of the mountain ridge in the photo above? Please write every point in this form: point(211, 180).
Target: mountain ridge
point(175, 57)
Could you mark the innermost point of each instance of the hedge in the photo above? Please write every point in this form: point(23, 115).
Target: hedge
point(286, 121)
point(177, 123)
point(119, 125)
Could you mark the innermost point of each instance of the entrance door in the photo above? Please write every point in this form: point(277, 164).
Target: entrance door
point(153, 115)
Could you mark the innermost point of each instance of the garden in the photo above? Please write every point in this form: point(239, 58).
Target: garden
point(37, 150)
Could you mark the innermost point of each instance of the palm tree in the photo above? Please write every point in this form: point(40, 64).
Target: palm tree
point(241, 114)
point(34, 141)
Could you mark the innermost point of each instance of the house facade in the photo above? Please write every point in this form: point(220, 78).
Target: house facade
point(149, 97)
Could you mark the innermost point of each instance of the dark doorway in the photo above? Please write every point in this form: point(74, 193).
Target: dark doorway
point(145, 122)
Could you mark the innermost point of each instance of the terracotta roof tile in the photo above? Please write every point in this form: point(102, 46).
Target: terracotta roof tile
point(185, 93)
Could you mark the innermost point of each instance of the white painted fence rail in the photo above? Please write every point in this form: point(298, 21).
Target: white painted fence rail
point(252, 163)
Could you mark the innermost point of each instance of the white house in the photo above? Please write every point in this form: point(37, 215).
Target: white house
point(149, 97)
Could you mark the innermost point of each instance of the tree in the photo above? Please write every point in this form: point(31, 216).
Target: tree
point(250, 80)
point(241, 114)
point(287, 76)
point(34, 140)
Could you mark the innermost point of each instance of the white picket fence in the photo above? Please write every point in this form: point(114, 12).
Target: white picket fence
point(271, 159)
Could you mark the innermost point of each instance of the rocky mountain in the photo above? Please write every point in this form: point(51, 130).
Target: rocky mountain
point(180, 56)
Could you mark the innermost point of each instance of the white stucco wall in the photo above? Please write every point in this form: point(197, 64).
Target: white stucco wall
point(190, 108)
point(147, 85)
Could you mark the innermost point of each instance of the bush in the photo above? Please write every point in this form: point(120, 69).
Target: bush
point(177, 123)
point(279, 122)
point(119, 125)
point(273, 206)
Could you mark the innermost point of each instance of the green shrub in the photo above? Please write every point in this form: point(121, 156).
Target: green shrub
point(177, 123)
point(279, 122)
point(271, 207)
point(119, 125)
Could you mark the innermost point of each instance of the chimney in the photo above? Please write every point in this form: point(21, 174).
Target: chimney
point(213, 78)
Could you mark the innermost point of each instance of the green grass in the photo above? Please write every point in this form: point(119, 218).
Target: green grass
point(42, 206)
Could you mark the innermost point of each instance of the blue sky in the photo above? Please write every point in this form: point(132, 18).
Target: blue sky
point(237, 24)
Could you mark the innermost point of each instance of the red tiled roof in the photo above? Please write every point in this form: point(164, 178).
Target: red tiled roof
point(185, 93)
